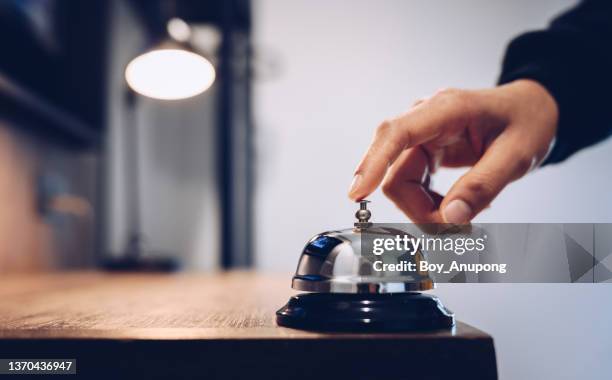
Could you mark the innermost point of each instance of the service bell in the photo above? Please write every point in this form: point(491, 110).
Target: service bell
point(346, 292)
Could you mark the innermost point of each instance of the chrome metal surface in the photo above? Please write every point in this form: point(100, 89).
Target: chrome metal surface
point(333, 262)
point(363, 215)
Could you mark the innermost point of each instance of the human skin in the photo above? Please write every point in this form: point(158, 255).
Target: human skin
point(501, 133)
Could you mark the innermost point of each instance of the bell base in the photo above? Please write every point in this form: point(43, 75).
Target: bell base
point(410, 311)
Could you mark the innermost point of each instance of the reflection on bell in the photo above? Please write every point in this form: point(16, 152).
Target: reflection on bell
point(346, 293)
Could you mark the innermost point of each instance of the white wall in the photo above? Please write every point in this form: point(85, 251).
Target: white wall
point(345, 65)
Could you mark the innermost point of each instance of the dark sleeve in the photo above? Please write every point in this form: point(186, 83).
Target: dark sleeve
point(572, 59)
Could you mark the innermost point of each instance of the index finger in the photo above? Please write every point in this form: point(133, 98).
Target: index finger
point(419, 125)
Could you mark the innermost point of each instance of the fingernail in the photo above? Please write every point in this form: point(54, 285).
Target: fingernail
point(354, 184)
point(457, 212)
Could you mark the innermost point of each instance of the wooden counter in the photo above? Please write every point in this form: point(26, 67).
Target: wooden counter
point(216, 326)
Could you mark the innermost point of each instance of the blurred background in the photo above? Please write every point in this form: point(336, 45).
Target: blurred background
point(96, 174)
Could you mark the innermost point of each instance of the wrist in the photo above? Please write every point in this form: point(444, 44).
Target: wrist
point(536, 110)
point(540, 99)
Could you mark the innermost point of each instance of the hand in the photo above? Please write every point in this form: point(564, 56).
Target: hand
point(502, 133)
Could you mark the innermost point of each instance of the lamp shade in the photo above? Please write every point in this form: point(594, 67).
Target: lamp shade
point(170, 73)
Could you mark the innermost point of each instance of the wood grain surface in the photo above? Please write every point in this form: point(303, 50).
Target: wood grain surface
point(221, 316)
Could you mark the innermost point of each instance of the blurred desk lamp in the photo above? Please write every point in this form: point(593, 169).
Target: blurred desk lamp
point(172, 70)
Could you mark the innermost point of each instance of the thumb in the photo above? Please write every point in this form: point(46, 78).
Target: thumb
point(501, 164)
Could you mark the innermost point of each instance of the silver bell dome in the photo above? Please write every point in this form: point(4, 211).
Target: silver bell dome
point(335, 262)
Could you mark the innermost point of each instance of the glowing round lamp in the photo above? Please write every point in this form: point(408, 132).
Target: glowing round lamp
point(170, 73)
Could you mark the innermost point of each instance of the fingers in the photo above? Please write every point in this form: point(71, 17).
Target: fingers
point(501, 164)
point(388, 143)
point(407, 186)
point(419, 125)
